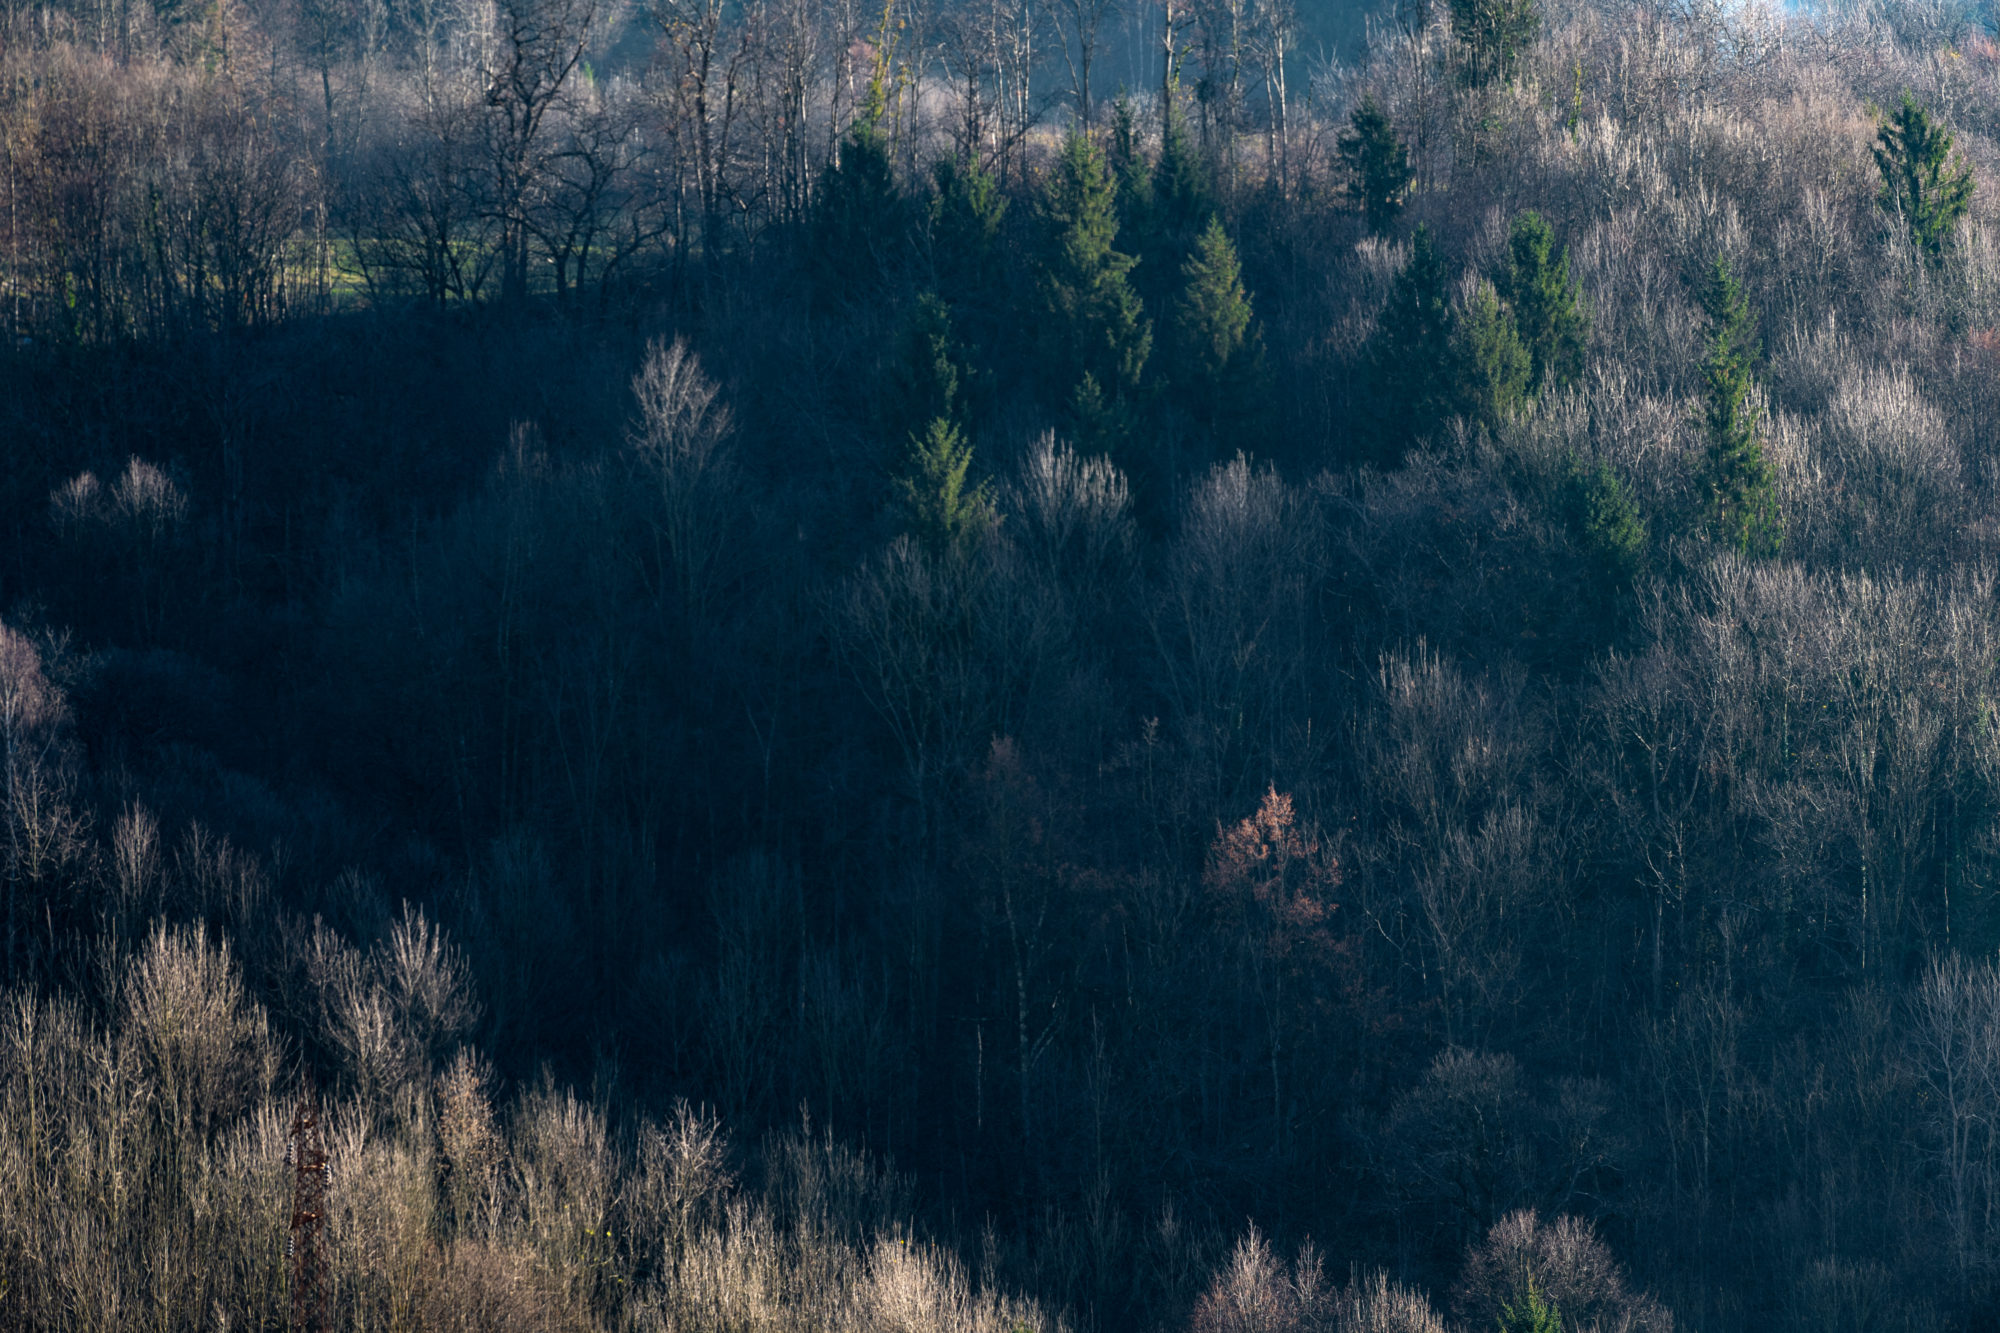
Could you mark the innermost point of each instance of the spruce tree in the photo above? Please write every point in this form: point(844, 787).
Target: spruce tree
point(1129, 166)
point(1493, 34)
point(1924, 182)
point(1217, 347)
point(1170, 218)
point(1549, 309)
point(1378, 165)
point(1607, 523)
point(1096, 324)
point(1530, 1312)
point(1491, 364)
point(929, 377)
point(966, 216)
point(858, 217)
point(1410, 360)
point(945, 510)
point(1741, 484)
point(1181, 201)
point(1212, 315)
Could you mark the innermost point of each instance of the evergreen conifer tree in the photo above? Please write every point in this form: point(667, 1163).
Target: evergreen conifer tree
point(966, 216)
point(1530, 1312)
point(1169, 218)
point(1492, 365)
point(1493, 34)
point(1924, 182)
point(1218, 361)
point(1549, 309)
point(946, 511)
point(1410, 360)
point(1129, 166)
point(1212, 316)
point(858, 218)
point(1096, 324)
point(1741, 483)
point(1181, 202)
point(929, 375)
point(1378, 165)
point(1608, 522)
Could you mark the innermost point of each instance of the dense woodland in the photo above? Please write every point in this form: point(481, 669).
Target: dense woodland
point(1002, 664)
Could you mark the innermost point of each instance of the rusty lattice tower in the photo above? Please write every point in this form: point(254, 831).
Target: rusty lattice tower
point(306, 1248)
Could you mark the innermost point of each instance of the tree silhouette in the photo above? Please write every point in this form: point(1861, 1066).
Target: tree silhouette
point(1378, 165)
point(1549, 309)
point(1924, 182)
point(1741, 483)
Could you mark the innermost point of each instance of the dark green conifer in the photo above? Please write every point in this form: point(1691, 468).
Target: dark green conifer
point(1493, 34)
point(1181, 201)
point(1741, 485)
point(858, 222)
point(1530, 1312)
point(1924, 182)
point(1378, 165)
point(1218, 351)
point(1492, 365)
point(1212, 316)
point(1607, 523)
point(1095, 323)
point(1410, 360)
point(1550, 312)
point(965, 231)
point(929, 378)
point(945, 509)
point(1129, 166)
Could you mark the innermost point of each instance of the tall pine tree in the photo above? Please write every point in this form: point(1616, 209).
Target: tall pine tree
point(1409, 364)
point(1741, 485)
point(1217, 351)
point(945, 509)
point(1378, 165)
point(1924, 182)
point(1171, 217)
point(1492, 36)
point(966, 216)
point(929, 378)
point(1096, 326)
point(1493, 367)
point(1130, 168)
point(1549, 308)
point(858, 225)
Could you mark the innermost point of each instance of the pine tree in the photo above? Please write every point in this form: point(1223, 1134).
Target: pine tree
point(965, 231)
point(1378, 165)
point(1491, 364)
point(858, 218)
point(1129, 166)
point(1924, 182)
point(1607, 523)
point(929, 377)
point(1212, 315)
point(1493, 34)
point(1219, 363)
point(1530, 1312)
point(1170, 218)
point(1549, 307)
point(1097, 325)
point(1181, 201)
point(945, 511)
point(1741, 483)
point(1410, 359)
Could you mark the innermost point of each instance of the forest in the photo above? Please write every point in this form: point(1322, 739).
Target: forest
point(1022, 666)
